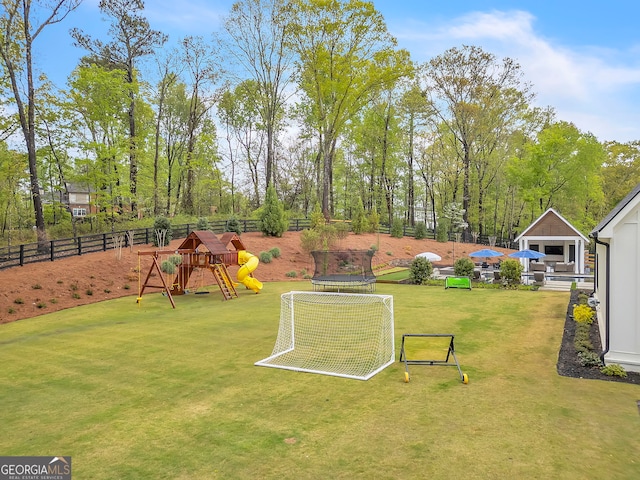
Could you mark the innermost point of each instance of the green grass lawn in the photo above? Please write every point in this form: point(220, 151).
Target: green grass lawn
point(148, 392)
point(394, 275)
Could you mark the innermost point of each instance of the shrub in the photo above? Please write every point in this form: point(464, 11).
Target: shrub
point(292, 274)
point(342, 230)
point(317, 218)
point(175, 259)
point(373, 248)
point(41, 305)
point(310, 240)
point(420, 231)
point(359, 221)
point(511, 271)
point(89, 292)
point(168, 267)
point(581, 340)
point(613, 370)
point(203, 224)
point(374, 221)
point(397, 228)
point(76, 295)
point(589, 359)
point(37, 286)
point(275, 252)
point(442, 232)
point(265, 257)
point(463, 267)
point(421, 271)
point(18, 301)
point(583, 299)
point(162, 224)
point(233, 225)
point(273, 219)
point(126, 286)
point(583, 314)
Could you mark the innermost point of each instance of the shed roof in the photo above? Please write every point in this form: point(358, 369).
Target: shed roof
point(617, 209)
point(551, 224)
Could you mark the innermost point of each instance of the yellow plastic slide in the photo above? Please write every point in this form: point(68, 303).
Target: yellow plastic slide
point(249, 263)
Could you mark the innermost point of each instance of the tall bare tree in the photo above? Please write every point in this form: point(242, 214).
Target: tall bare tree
point(258, 29)
point(202, 67)
point(478, 99)
point(17, 35)
point(133, 39)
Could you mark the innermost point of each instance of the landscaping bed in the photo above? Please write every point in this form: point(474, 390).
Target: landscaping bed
point(568, 361)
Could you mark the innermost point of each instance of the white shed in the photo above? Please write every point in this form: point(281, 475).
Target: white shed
point(617, 282)
point(562, 244)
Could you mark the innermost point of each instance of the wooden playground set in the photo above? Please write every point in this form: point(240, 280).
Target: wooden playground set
point(202, 250)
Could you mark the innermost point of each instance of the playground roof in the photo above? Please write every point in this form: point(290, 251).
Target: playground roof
point(234, 239)
point(206, 238)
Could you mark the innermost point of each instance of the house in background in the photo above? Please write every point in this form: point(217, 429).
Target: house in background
point(617, 282)
point(76, 198)
point(563, 245)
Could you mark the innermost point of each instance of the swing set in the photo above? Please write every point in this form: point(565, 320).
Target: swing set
point(172, 271)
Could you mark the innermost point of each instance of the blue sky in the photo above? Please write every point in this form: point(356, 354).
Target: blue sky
point(582, 57)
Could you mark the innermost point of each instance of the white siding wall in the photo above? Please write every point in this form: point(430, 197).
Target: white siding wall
point(624, 344)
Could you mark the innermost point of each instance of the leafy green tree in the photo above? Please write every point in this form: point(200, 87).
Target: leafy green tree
point(561, 170)
point(479, 100)
point(273, 219)
point(132, 39)
point(97, 101)
point(19, 29)
point(621, 171)
point(346, 57)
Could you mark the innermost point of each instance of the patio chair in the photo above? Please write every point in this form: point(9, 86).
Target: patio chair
point(496, 276)
point(477, 275)
point(538, 278)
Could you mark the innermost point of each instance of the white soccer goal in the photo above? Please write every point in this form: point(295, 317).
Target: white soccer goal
point(341, 334)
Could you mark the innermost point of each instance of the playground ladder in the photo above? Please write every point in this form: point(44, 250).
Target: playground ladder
point(221, 274)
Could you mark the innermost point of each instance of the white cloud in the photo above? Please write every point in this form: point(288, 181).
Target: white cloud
point(595, 88)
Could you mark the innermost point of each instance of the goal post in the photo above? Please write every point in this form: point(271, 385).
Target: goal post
point(341, 334)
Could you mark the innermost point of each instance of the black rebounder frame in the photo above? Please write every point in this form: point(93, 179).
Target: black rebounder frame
point(451, 352)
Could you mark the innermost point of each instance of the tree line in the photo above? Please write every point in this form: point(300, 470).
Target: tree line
point(312, 98)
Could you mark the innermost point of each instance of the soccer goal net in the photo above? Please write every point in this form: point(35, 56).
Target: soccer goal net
point(341, 334)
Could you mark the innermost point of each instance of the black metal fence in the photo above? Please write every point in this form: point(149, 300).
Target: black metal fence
point(18, 255)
